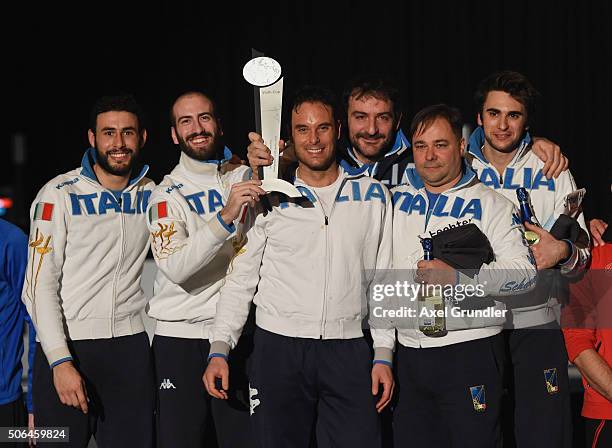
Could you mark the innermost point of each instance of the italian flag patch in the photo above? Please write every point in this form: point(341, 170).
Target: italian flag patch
point(43, 211)
point(158, 211)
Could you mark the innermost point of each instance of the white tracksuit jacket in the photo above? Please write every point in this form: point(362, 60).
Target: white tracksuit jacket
point(309, 273)
point(549, 200)
point(469, 201)
point(192, 246)
point(86, 255)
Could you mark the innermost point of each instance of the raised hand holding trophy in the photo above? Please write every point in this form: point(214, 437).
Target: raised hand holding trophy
point(265, 75)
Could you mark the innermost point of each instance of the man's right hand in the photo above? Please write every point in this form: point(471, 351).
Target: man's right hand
point(70, 386)
point(217, 368)
point(246, 192)
point(259, 154)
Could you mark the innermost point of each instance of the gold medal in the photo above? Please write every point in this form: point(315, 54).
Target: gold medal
point(531, 237)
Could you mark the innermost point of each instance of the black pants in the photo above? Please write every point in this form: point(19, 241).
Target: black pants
point(300, 384)
point(183, 405)
point(13, 415)
point(598, 433)
point(118, 375)
point(539, 385)
point(449, 396)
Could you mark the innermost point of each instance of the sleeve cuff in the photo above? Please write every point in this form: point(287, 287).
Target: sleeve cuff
point(219, 228)
point(383, 354)
point(567, 264)
point(60, 361)
point(58, 354)
point(219, 347)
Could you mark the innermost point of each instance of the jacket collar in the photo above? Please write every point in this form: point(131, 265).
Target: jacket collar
point(400, 145)
point(205, 168)
point(90, 159)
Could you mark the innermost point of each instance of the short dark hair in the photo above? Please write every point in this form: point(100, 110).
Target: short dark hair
point(426, 116)
point(513, 83)
point(201, 93)
point(123, 102)
point(315, 94)
point(380, 87)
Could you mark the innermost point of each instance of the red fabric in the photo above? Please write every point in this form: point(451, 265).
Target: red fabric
point(587, 323)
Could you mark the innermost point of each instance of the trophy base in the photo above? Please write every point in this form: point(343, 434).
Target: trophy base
point(281, 186)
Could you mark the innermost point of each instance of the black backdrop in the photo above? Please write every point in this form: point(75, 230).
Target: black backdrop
point(59, 60)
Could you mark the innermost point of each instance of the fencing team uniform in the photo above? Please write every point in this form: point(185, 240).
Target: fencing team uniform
point(193, 249)
point(541, 395)
point(450, 387)
point(87, 248)
point(307, 265)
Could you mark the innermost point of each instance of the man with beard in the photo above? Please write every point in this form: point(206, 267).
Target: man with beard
point(195, 232)
point(87, 246)
point(377, 147)
point(307, 264)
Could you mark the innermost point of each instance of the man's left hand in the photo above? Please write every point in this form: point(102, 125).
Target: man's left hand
point(548, 251)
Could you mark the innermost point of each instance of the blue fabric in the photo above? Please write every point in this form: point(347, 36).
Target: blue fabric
point(431, 199)
point(60, 361)
point(217, 355)
point(13, 314)
point(382, 361)
point(230, 228)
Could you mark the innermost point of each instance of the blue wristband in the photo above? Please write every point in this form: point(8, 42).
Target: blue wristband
point(216, 355)
point(383, 362)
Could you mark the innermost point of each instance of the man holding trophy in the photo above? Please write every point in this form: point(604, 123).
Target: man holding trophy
point(306, 265)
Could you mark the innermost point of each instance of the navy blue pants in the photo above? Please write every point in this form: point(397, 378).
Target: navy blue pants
point(184, 407)
point(301, 387)
point(118, 375)
point(449, 396)
point(539, 387)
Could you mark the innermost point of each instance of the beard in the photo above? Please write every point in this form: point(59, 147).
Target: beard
point(383, 145)
point(209, 152)
point(106, 163)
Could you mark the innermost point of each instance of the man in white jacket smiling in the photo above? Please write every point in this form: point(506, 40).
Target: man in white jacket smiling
point(307, 265)
point(88, 243)
point(193, 222)
point(451, 386)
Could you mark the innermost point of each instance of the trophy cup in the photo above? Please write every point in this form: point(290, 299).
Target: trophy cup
point(265, 75)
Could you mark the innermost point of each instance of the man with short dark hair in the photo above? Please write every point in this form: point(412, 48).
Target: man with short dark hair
point(306, 265)
point(194, 219)
point(88, 242)
point(450, 383)
point(375, 144)
point(500, 151)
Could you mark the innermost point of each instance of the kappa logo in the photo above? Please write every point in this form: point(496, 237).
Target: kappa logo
point(253, 402)
point(167, 384)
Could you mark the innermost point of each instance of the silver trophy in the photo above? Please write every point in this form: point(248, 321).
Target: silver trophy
point(265, 75)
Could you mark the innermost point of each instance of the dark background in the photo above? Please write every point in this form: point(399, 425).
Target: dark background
point(58, 60)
